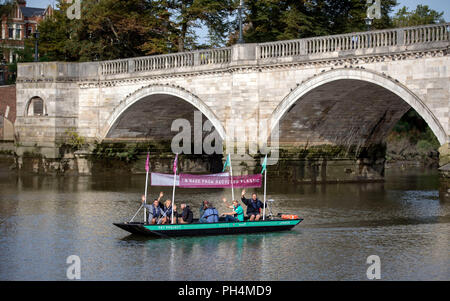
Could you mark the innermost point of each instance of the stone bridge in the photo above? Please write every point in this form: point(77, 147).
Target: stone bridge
point(346, 89)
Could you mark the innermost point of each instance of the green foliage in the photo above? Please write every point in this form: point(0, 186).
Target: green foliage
point(412, 139)
point(111, 29)
point(108, 29)
point(24, 56)
point(73, 140)
point(117, 151)
point(270, 20)
point(422, 15)
point(187, 15)
point(412, 126)
point(6, 6)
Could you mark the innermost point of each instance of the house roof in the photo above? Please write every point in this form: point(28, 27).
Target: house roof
point(32, 11)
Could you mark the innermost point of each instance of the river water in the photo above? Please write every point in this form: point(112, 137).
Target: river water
point(45, 219)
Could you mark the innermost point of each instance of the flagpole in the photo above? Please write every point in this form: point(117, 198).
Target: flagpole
point(232, 185)
point(145, 201)
point(147, 168)
point(175, 167)
point(265, 184)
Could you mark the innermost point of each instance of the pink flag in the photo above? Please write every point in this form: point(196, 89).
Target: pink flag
point(175, 164)
point(147, 166)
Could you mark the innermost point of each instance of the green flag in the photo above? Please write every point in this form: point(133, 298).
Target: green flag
point(226, 163)
point(264, 165)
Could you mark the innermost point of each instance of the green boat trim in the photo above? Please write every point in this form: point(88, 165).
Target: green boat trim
point(221, 225)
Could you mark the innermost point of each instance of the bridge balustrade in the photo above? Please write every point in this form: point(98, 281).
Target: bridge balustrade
point(391, 40)
point(354, 41)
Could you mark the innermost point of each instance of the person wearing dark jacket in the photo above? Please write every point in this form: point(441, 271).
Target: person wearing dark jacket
point(186, 216)
point(254, 206)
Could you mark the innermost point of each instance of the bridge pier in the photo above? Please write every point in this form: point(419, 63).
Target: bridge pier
point(444, 162)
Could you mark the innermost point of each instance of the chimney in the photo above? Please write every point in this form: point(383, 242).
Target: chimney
point(22, 3)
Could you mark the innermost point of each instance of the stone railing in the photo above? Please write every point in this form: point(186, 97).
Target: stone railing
point(303, 47)
point(158, 62)
point(167, 61)
point(426, 34)
point(418, 38)
point(215, 56)
point(114, 67)
point(354, 41)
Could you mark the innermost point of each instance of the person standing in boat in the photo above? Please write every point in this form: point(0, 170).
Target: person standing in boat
point(211, 215)
point(254, 206)
point(237, 215)
point(167, 212)
point(154, 210)
point(186, 217)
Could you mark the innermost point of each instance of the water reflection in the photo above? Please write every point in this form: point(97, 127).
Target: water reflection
point(43, 220)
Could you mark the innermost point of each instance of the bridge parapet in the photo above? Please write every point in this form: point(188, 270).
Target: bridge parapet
point(179, 61)
point(381, 42)
point(393, 39)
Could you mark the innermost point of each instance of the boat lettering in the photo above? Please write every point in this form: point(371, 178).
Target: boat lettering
point(169, 227)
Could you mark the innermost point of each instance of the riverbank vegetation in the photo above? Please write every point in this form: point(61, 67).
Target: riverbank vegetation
point(412, 140)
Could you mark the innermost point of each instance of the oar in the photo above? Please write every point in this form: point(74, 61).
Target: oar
point(136, 213)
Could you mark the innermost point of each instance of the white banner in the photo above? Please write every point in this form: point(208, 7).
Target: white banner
point(160, 179)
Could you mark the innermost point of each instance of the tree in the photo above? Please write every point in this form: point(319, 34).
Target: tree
point(108, 29)
point(271, 20)
point(6, 7)
point(422, 15)
point(187, 15)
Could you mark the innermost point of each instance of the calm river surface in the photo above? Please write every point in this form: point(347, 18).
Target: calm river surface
point(46, 219)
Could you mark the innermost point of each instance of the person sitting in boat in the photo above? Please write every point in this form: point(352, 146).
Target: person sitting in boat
point(211, 215)
point(237, 215)
point(254, 206)
point(154, 209)
point(166, 212)
point(186, 217)
point(202, 211)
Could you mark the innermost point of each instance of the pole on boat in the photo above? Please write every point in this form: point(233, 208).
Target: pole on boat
point(134, 214)
point(147, 169)
point(175, 163)
point(232, 185)
point(265, 185)
point(228, 163)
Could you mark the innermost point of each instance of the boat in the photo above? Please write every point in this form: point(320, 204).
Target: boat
point(270, 224)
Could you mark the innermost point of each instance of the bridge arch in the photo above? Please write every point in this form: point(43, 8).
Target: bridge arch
point(168, 90)
point(364, 76)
